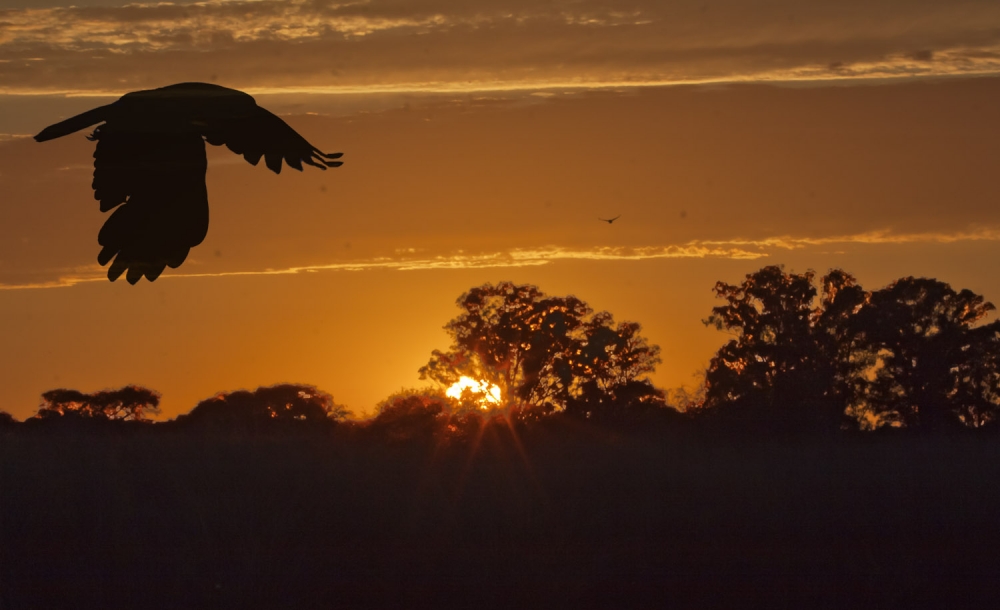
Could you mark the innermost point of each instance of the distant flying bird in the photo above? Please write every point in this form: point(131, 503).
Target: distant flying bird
point(150, 163)
point(610, 220)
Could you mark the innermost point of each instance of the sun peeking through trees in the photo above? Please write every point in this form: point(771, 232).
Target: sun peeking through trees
point(487, 395)
point(516, 348)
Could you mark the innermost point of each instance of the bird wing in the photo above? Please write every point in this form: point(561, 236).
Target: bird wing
point(262, 134)
point(76, 123)
point(156, 179)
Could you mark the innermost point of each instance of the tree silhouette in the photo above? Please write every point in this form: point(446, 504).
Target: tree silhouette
point(265, 406)
point(778, 369)
point(410, 415)
point(6, 419)
point(613, 355)
point(906, 355)
point(924, 365)
point(150, 163)
point(630, 398)
point(976, 371)
point(541, 351)
point(130, 403)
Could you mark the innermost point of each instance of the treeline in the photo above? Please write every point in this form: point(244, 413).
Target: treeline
point(807, 356)
point(909, 355)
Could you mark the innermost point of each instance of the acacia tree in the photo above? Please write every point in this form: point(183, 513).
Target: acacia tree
point(130, 403)
point(540, 350)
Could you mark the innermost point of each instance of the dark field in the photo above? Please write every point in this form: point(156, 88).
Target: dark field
point(581, 516)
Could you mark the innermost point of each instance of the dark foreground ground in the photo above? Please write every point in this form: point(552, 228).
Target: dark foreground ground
point(578, 517)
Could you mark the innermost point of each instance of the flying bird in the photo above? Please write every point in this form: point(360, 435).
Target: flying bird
point(150, 164)
point(610, 220)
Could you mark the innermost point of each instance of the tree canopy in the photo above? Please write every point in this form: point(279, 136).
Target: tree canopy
point(410, 415)
point(542, 352)
point(130, 403)
point(277, 403)
point(909, 354)
point(919, 361)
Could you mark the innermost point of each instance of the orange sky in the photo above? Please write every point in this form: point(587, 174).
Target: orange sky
point(482, 141)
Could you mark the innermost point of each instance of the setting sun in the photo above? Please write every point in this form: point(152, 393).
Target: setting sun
point(486, 394)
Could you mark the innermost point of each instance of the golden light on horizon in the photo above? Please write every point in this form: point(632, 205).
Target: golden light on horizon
point(485, 394)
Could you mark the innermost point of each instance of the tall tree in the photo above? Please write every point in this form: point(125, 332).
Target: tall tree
point(907, 355)
point(540, 350)
point(927, 365)
point(776, 369)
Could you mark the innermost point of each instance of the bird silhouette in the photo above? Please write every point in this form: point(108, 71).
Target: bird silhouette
point(150, 164)
point(610, 220)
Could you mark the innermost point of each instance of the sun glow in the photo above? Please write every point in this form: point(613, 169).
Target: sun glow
point(485, 394)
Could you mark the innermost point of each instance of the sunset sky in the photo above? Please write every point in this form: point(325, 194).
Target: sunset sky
point(482, 141)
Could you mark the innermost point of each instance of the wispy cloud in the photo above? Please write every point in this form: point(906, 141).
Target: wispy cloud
point(449, 45)
point(692, 249)
point(454, 261)
point(407, 259)
point(870, 237)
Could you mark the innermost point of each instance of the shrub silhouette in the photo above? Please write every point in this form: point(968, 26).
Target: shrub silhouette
point(630, 399)
point(410, 415)
point(265, 408)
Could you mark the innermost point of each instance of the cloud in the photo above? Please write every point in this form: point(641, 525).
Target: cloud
point(454, 261)
point(867, 238)
point(437, 45)
point(405, 259)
